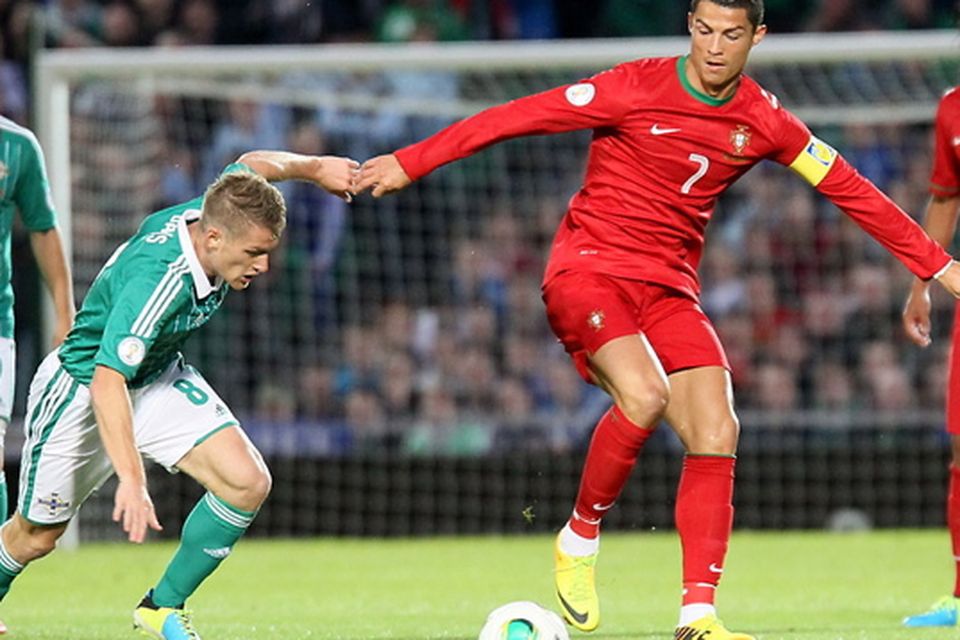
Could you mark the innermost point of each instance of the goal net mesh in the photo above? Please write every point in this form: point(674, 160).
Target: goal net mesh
point(411, 328)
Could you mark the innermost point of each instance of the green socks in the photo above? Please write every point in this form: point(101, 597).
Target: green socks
point(9, 569)
point(208, 537)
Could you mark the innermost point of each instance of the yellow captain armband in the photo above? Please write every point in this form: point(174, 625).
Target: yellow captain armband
point(814, 161)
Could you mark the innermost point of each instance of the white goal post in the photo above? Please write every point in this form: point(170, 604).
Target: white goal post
point(105, 117)
point(56, 70)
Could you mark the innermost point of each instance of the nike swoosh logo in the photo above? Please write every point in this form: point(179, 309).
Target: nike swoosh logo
point(576, 615)
point(714, 568)
point(657, 131)
point(587, 520)
point(603, 507)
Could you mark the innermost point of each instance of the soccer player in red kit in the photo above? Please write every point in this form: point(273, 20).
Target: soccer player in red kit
point(941, 224)
point(621, 286)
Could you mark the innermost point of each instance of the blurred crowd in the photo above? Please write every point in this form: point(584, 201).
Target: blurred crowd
point(25, 24)
point(415, 323)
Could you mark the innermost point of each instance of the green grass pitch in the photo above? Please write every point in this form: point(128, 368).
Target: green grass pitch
point(804, 586)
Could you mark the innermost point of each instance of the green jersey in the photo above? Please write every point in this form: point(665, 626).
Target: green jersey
point(147, 300)
point(23, 189)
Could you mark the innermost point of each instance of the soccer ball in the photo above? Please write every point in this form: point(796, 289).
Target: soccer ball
point(523, 620)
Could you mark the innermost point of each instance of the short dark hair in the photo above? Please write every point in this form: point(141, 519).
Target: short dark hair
point(754, 8)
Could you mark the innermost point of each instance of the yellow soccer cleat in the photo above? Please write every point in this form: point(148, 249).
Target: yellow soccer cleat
point(164, 623)
point(707, 628)
point(576, 589)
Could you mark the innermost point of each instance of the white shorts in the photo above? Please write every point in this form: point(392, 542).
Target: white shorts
point(8, 378)
point(63, 459)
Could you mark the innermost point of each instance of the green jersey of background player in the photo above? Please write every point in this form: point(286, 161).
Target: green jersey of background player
point(117, 388)
point(25, 192)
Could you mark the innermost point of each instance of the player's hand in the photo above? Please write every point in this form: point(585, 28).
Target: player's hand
point(916, 314)
point(133, 507)
point(383, 175)
point(337, 176)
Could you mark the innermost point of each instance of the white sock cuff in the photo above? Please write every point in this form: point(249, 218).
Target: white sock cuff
point(572, 543)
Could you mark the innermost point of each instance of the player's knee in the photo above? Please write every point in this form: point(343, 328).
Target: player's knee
point(644, 403)
point(253, 489)
point(261, 486)
point(719, 438)
point(35, 543)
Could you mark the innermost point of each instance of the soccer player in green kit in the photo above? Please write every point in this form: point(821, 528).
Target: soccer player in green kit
point(25, 191)
point(117, 389)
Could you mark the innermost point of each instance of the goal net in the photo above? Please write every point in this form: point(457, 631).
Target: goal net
point(407, 334)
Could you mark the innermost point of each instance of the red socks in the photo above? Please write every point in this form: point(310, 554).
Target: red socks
point(613, 451)
point(704, 518)
point(704, 511)
point(953, 522)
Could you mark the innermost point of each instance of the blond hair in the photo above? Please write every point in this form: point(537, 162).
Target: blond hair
point(240, 199)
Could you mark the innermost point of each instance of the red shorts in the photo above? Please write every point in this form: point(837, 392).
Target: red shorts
point(953, 393)
point(587, 310)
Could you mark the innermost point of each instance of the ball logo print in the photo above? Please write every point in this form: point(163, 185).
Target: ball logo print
point(131, 351)
point(580, 95)
point(523, 620)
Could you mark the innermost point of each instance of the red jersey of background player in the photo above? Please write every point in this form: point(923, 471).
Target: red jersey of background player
point(661, 155)
point(945, 179)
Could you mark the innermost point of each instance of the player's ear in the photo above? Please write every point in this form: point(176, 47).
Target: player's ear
point(690, 23)
point(213, 237)
point(759, 33)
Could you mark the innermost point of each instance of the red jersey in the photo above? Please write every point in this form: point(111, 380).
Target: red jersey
point(661, 155)
point(945, 178)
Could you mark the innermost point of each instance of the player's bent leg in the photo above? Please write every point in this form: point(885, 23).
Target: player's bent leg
point(4, 500)
point(22, 542)
point(628, 369)
point(238, 482)
point(944, 612)
point(953, 506)
point(701, 412)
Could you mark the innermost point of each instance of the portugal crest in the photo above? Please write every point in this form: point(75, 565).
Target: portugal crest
point(595, 319)
point(740, 139)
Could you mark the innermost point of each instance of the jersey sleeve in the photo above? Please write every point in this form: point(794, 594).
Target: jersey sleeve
point(819, 164)
point(138, 311)
point(599, 101)
point(945, 177)
point(234, 167)
point(32, 190)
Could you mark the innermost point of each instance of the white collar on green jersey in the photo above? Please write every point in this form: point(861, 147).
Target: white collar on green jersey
point(201, 283)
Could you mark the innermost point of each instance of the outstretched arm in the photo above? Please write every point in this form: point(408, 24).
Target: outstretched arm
point(48, 251)
point(600, 101)
point(940, 224)
point(114, 413)
point(332, 173)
